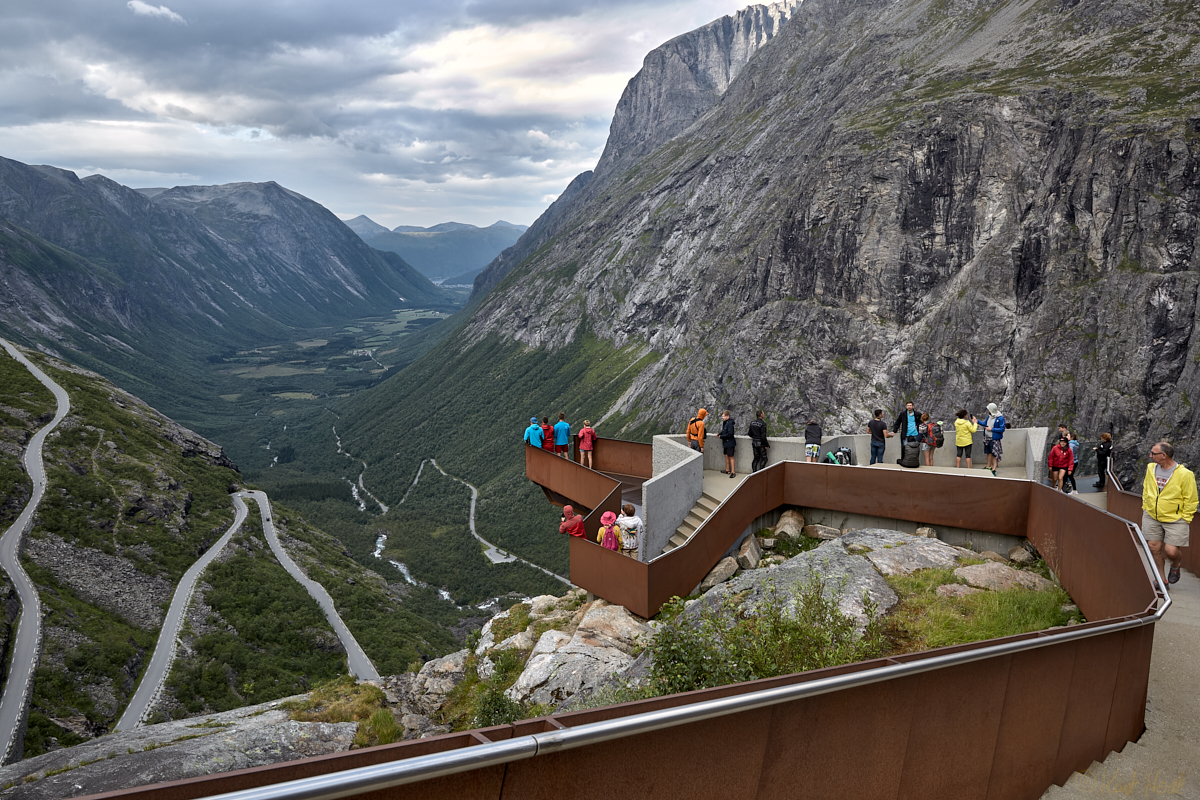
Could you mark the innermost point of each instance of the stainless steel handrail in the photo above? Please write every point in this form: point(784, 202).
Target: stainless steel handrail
point(398, 773)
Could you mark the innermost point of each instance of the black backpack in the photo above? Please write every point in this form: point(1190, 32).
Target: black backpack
point(938, 436)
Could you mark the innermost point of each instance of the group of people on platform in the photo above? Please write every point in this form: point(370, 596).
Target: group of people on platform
point(557, 437)
point(1064, 458)
point(921, 434)
point(621, 532)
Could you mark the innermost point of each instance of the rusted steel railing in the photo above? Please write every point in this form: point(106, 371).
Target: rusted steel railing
point(1128, 505)
point(619, 457)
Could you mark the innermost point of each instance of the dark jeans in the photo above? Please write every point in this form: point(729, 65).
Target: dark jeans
point(760, 458)
point(877, 449)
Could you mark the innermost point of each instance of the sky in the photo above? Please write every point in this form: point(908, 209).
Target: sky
point(412, 113)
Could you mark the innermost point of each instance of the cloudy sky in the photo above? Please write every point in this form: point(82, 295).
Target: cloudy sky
point(412, 111)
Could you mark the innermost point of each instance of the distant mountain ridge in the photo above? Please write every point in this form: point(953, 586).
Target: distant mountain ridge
point(454, 250)
point(130, 281)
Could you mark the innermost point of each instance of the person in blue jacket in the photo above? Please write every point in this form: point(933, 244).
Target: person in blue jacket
point(533, 434)
point(993, 434)
point(562, 436)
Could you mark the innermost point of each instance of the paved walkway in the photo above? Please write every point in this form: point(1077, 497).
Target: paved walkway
point(1165, 762)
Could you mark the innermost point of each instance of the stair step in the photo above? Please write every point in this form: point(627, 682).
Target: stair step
point(678, 539)
point(707, 503)
point(695, 520)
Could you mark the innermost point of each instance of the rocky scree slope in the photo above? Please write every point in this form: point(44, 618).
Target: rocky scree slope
point(951, 200)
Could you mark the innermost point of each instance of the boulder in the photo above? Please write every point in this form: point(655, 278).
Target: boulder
point(604, 643)
point(521, 640)
point(768, 544)
point(999, 577)
point(790, 525)
point(722, 572)
point(542, 605)
point(848, 578)
point(992, 555)
point(749, 554)
point(1021, 556)
point(821, 532)
point(956, 590)
point(926, 533)
point(897, 553)
point(435, 680)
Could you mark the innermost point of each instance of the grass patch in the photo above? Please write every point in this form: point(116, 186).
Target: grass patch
point(344, 700)
point(923, 620)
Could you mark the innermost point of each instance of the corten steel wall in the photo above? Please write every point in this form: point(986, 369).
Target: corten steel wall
point(620, 457)
point(1128, 505)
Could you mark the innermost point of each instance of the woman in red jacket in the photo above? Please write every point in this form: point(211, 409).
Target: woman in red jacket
point(1061, 461)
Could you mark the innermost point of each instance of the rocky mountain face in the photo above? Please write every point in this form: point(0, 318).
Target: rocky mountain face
point(954, 201)
point(124, 280)
point(678, 82)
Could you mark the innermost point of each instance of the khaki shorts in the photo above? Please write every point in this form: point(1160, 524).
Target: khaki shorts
point(1174, 533)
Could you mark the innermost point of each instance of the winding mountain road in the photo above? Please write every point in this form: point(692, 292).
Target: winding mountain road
point(27, 643)
point(155, 677)
point(494, 554)
point(360, 666)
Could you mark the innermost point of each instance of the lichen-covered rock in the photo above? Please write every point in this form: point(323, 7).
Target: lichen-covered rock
point(253, 736)
point(436, 679)
point(749, 554)
point(821, 532)
point(1021, 555)
point(999, 577)
point(723, 571)
point(956, 590)
point(992, 555)
point(925, 533)
point(847, 577)
point(603, 644)
point(790, 525)
point(896, 553)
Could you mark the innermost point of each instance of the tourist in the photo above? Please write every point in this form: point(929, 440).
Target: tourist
point(906, 425)
point(609, 535)
point(758, 442)
point(927, 439)
point(728, 443)
point(879, 436)
point(587, 443)
point(993, 437)
point(695, 430)
point(1103, 453)
point(1169, 502)
point(562, 436)
point(1060, 462)
point(631, 528)
point(571, 523)
point(1073, 443)
point(547, 435)
point(533, 434)
point(964, 430)
point(812, 441)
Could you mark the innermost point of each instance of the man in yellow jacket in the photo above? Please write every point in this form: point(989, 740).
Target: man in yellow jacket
point(1169, 501)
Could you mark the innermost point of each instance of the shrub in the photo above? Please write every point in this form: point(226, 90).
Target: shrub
point(720, 643)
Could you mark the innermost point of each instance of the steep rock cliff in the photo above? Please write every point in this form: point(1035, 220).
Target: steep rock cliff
point(956, 201)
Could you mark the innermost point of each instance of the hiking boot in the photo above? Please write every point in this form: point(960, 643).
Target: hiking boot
point(1173, 575)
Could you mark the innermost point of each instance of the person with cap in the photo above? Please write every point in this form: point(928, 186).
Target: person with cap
point(993, 428)
point(609, 535)
point(571, 523)
point(1169, 501)
point(533, 434)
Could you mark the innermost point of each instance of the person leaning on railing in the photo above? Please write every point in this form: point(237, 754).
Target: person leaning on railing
point(1169, 502)
point(571, 523)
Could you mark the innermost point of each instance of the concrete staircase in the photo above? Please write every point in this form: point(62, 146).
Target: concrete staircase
point(703, 509)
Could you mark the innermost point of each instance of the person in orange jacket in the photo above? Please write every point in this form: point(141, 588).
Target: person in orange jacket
point(695, 431)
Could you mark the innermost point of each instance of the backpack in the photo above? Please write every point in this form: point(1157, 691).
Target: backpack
point(610, 537)
point(843, 456)
point(939, 438)
point(693, 432)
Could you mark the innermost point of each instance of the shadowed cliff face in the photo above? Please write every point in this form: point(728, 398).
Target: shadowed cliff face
point(955, 201)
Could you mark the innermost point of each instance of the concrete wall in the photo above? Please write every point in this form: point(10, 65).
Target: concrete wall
point(976, 540)
point(668, 497)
